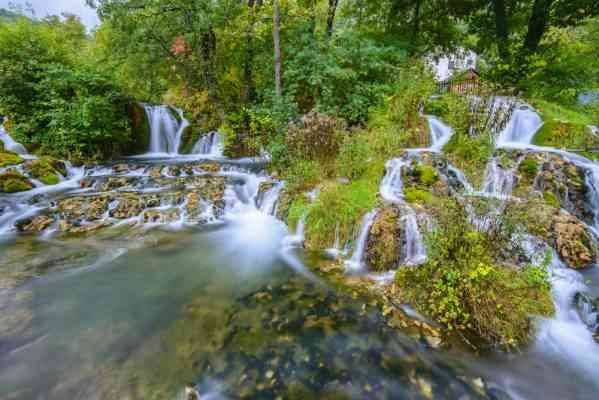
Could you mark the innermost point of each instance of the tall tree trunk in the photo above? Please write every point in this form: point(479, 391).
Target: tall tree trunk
point(501, 27)
point(249, 90)
point(207, 54)
point(393, 15)
point(537, 24)
point(416, 22)
point(276, 37)
point(331, 16)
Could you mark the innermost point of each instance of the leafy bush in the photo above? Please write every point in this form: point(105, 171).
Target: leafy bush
point(52, 99)
point(315, 137)
point(462, 287)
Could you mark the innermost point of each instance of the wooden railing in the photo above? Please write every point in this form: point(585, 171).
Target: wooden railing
point(461, 86)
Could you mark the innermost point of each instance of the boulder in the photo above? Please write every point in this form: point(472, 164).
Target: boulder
point(572, 241)
point(13, 181)
point(383, 247)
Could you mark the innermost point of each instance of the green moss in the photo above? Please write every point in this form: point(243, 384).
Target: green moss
point(339, 207)
point(566, 128)
point(9, 158)
point(12, 181)
point(551, 199)
point(415, 195)
point(43, 169)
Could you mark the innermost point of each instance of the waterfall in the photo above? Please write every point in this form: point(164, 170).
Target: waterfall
point(10, 144)
point(592, 184)
point(521, 128)
point(498, 181)
point(565, 336)
point(391, 188)
point(440, 133)
point(459, 176)
point(165, 129)
point(210, 144)
point(268, 202)
point(415, 252)
point(355, 263)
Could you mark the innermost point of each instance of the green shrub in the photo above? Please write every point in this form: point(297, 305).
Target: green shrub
point(425, 174)
point(354, 156)
point(463, 288)
point(529, 167)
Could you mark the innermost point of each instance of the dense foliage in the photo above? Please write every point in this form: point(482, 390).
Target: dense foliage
point(53, 99)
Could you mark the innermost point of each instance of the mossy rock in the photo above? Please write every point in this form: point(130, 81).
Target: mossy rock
point(425, 174)
point(383, 248)
point(43, 169)
point(12, 181)
point(8, 157)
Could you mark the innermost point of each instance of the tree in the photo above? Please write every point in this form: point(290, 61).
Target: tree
point(276, 36)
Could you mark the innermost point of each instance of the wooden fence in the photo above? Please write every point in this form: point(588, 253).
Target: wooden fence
point(461, 86)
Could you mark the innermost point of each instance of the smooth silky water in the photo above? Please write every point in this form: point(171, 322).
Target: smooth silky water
point(236, 308)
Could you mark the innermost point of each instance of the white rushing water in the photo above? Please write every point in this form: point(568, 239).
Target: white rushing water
point(521, 128)
point(498, 181)
point(165, 129)
point(10, 144)
point(415, 252)
point(211, 144)
point(356, 262)
point(440, 133)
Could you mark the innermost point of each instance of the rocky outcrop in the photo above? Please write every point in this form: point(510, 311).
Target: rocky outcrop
point(563, 181)
point(572, 241)
point(47, 170)
point(383, 248)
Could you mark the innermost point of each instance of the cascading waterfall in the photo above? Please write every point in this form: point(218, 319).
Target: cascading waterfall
point(165, 129)
point(391, 190)
point(211, 144)
point(565, 336)
point(498, 181)
point(521, 128)
point(355, 263)
point(440, 133)
point(10, 144)
point(415, 252)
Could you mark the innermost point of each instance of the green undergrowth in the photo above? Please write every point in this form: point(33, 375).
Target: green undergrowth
point(464, 287)
point(567, 128)
point(338, 208)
